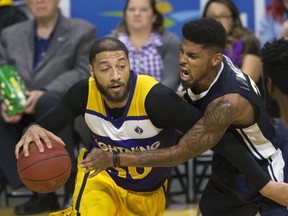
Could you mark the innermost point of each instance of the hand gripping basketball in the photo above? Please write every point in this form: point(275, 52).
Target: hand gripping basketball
point(47, 171)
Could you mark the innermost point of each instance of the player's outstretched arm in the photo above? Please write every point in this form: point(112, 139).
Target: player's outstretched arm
point(276, 191)
point(205, 134)
point(38, 135)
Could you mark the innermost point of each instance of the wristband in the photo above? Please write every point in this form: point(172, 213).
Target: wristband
point(116, 159)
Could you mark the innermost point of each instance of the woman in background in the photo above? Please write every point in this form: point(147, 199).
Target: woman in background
point(152, 49)
point(242, 46)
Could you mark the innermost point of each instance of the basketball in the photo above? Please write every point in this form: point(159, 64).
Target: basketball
point(44, 172)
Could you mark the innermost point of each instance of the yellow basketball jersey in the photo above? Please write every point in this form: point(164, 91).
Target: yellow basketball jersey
point(133, 131)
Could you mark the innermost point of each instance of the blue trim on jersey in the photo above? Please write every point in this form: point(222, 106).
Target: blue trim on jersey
point(92, 112)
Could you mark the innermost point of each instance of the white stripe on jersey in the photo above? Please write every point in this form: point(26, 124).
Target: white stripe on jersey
point(256, 142)
point(130, 129)
point(262, 148)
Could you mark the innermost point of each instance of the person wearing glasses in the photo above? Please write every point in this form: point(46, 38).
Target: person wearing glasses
point(153, 50)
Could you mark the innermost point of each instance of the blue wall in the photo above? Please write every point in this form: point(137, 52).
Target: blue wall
point(106, 14)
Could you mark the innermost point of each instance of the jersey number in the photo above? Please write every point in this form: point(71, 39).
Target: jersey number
point(133, 172)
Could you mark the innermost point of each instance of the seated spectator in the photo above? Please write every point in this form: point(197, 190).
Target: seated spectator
point(274, 23)
point(242, 45)
point(50, 54)
point(152, 49)
point(9, 14)
point(275, 74)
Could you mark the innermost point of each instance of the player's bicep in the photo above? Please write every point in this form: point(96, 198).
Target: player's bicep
point(207, 132)
point(243, 110)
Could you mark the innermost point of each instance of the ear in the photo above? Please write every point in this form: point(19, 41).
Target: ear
point(91, 70)
point(217, 58)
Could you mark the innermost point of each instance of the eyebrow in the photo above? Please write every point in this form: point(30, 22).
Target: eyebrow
point(106, 61)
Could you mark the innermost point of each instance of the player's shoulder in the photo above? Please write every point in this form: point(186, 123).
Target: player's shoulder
point(160, 93)
point(80, 86)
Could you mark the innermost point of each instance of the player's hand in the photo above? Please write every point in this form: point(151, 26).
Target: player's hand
point(96, 161)
point(14, 119)
point(38, 135)
point(276, 191)
point(33, 97)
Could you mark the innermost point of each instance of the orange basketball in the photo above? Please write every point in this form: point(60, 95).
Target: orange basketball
point(44, 172)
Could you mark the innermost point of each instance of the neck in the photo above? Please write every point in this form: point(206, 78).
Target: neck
point(113, 105)
point(139, 38)
point(46, 25)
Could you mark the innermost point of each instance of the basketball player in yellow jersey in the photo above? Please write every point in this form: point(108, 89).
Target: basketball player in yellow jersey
point(125, 112)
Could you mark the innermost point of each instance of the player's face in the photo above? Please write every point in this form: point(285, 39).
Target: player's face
point(111, 72)
point(43, 9)
point(197, 66)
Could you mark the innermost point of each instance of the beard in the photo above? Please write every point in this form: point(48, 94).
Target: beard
point(193, 86)
point(115, 98)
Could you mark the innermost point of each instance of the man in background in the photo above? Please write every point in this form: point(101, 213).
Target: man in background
point(50, 54)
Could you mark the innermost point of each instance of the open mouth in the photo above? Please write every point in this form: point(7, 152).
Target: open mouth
point(184, 74)
point(116, 87)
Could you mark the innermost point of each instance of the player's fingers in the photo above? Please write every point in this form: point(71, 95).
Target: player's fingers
point(88, 160)
point(52, 136)
point(38, 142)
point(86, 164)
point(25, 150)
point(17, 148)
point(93, 174)
point(88, 169)
point(46, 140)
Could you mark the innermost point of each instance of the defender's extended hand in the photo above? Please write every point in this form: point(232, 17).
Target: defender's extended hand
point(96, 161)
point(276, 191)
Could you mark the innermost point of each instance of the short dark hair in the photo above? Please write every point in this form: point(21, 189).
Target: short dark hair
point(106, 44)
point(207, 32)
point(274, 57)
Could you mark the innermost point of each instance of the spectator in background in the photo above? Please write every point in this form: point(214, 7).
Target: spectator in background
point(275, 74)
point(152, 49)
point(10, 14)
point(51, 54)
point(242, 46)
point(274, 23)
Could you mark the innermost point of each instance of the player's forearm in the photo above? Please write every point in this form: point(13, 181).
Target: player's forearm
point(152, 158)
point(196, 141)
point(276, 191)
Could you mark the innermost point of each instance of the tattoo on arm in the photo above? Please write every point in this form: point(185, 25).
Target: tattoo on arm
point(204, 135)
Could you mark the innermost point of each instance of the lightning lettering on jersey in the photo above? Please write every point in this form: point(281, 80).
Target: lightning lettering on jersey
point(107, 147)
